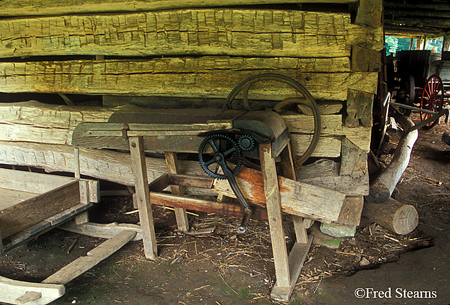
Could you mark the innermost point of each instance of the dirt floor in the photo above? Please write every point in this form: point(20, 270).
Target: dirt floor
point(223, 267)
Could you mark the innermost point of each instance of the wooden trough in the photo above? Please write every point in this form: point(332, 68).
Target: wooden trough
point(33, 203)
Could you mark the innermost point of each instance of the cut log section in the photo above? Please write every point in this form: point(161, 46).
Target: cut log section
point(382, 187)
point(393, 215)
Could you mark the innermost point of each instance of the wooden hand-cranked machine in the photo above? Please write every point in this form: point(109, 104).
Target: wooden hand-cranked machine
point(222, 139)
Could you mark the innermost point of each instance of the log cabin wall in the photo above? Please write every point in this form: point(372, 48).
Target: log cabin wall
point(191, 54)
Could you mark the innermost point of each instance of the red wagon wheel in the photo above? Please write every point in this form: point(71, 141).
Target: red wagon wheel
point(432, 98)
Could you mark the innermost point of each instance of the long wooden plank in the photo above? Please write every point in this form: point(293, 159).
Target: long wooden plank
point(96, 255)
point(324, 78)
point(197, 31)
point(36, 209)
point(297, 198)
point(52, 7)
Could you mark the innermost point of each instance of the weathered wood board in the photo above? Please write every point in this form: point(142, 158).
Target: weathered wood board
point(234, 32)
point(52, 7)
point(211, 77)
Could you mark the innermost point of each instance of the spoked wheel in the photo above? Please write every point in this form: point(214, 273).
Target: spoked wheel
point(307, 100)
point(432, 98)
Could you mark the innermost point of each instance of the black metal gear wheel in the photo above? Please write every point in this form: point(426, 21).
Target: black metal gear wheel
point(246, 142)
point(218, 147)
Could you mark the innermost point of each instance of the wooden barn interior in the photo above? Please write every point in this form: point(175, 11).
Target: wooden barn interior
point(133, 92)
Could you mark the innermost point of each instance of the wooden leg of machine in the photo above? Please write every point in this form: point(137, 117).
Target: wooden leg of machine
point(180, 214)
point(275, 216)
point(287, 269)
point(143, 196)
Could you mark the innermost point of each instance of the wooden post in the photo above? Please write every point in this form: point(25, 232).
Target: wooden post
point(277, 235)
point(84, 188)
point(180, 214)
point(143, 196)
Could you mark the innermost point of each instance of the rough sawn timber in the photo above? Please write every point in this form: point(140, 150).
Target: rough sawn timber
point(58, 7)
point(209, 77)
point(236, 32)
point(297, 198)
point(101, 164)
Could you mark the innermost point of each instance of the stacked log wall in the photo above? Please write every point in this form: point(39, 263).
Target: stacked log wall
point(192, 54)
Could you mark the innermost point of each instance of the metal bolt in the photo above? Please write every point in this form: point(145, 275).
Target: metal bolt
point(133, 144)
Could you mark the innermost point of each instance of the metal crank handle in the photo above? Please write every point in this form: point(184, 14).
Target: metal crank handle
point(232, 180)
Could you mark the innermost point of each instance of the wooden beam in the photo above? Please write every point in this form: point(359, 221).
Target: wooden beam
point(351, 211)
point(218, 31)
point(324, 78)
point(297, 198)
point(52, 7)
point(101, 164)
point(332, 126)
